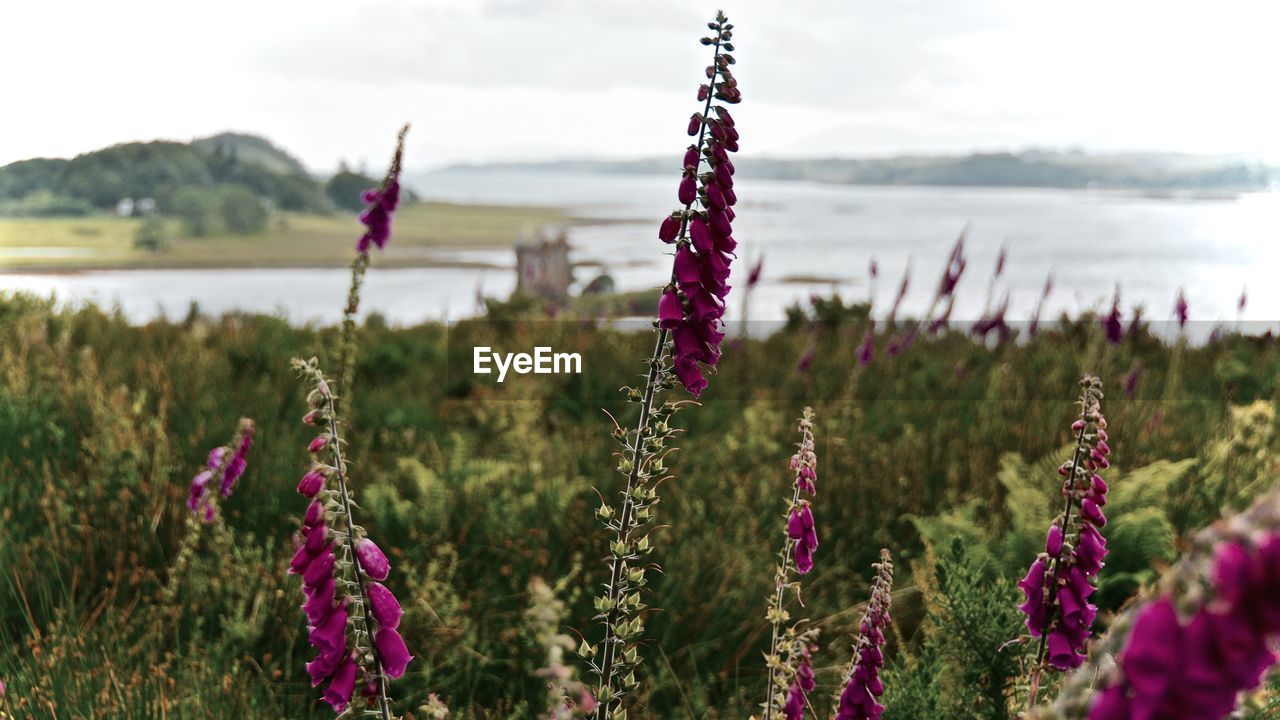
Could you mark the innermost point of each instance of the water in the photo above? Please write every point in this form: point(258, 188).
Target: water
point(812, 237)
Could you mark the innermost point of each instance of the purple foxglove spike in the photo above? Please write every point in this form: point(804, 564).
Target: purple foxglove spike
point(312, 483)
point(340, 689)
point(392, 652)
point(372, 561)
point(1180, 309)
point(383, 606)
point(688, 191)
point(670, 229)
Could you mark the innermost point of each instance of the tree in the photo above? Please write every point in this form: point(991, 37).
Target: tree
point(197, 208)
point(344, 189)
point(243, 212)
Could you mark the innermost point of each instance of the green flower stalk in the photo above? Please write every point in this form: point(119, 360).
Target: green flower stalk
point(352, 618)
point(215, 482)
point(794, 559)
point(858, 698)
point(381, 203)
point(689, 337)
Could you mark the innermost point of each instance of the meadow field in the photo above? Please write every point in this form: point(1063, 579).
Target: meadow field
point(943, 453)
point(291, 239)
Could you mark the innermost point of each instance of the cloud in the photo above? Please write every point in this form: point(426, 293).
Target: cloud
point(526, 79)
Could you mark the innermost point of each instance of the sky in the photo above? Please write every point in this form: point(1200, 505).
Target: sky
point(516, 80)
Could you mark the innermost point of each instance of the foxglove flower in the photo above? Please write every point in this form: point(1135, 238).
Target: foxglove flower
point(692, 305)
point(1203, 638)
point(1181, 310)
point(1111, 324)
point(351, 616)
point(239, 461)
point(859, 698)
point(380, 206)
point(790, 673)
point(381, 203)
point(801, 686)
point(226, 463)
point(689, 336)
point(1034, 327)
point(866, 351)
point(1061, 580)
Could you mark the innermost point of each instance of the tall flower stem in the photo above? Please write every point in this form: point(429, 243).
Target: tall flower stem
point(1037, 667)
point(778, 618)
point(1062, 621)
point(804, 463)
point(347, 345)
point(362, 601)
point(640, 461)
point(626, 522)
point(341, 496)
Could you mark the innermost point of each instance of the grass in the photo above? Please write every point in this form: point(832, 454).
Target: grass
point(290, 240)
point(474, 488)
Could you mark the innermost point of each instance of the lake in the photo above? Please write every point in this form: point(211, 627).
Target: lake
point(812, 237)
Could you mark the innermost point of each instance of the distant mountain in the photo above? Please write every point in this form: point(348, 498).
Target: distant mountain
point(1141, 171)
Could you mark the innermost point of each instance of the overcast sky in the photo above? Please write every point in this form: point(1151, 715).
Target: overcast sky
point(535, 79)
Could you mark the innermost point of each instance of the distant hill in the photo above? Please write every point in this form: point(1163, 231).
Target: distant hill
point(160, 170)
point(1140, 171)
point(251, 149)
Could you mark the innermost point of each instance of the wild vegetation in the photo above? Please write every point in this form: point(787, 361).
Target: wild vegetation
point(130, 591)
